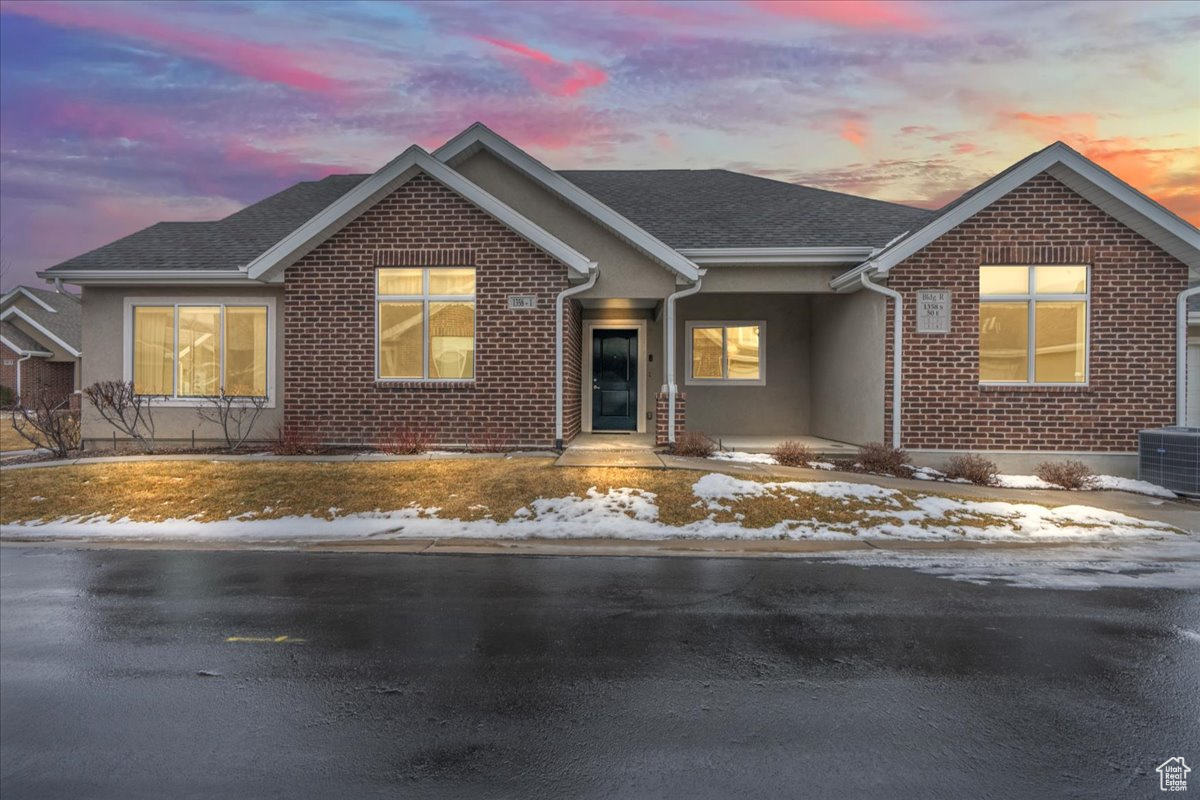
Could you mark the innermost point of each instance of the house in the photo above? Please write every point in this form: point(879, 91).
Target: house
point(474, 289)
point(39, 344)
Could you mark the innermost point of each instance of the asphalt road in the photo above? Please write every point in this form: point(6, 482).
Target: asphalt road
point(462, 676)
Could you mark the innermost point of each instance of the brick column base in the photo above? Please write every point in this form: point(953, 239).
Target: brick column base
point(661, 405)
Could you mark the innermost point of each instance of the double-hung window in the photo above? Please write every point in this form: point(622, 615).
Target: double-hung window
point(725, 352)
point(183, 350)
point(1033, 324)
point(425, 323)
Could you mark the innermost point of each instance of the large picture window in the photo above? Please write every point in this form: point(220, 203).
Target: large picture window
point(187, 351)
point(425, 323)
point(725, 352)
point(1033, 324)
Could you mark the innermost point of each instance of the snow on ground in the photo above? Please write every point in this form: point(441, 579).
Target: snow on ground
point(872, 512)
point(1173, 563)
point(738, 457)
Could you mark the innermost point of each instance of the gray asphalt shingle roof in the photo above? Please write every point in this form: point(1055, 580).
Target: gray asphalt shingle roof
point(19, 338)
point(683, 208)
point(65, 321)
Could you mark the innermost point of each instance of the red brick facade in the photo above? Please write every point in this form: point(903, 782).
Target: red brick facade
point(37, 374)
point(330, 391)
point(1132, 367)
point(662, 404)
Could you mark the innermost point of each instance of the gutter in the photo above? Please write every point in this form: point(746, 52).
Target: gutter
point(897, 350)
point(1181, 354)
point(593, 274)
point(671, 388)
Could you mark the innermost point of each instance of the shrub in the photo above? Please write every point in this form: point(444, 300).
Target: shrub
point(291, 441)
point(47, 421)
point(793, 454)
point(406, 440)
point(491, 438)
point(235, 415)
point(1067, 474)
point(125, 409)
point(974, 468)
point(8, 397)
point(878, 457)
point(693, 444)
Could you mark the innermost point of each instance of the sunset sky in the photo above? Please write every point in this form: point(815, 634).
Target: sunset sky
point(117, 115)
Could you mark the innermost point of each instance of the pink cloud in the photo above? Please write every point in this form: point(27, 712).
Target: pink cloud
point(854, 131)
point(548, 74)
point(850, 13)
point(264, 62)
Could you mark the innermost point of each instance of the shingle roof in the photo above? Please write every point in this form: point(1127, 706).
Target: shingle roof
point(719, 208)
point(19, 338)
point(64, 322)
point(229, 243)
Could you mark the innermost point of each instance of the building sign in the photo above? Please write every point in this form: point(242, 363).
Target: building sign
point(933, 311)
point(522, 302)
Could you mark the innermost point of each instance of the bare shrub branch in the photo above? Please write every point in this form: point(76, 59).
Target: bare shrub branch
point(124, 409)
point(45, 421)
point(234, 414)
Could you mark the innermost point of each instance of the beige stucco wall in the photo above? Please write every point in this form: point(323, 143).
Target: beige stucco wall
point(782, 405)
point(847, 367)
point(624, 270)
point(749, 278)
point(105, 347)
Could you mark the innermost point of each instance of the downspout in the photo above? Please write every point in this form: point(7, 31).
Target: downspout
point(671, 387)
point(593, 274)
point(897, 349)
point(21, 361)
point(1181, 354)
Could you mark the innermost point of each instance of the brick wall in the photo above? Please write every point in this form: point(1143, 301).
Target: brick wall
point(8, 369)
point(330, 391)
point(662, 405)
point(38, 374)
point(1132, 369)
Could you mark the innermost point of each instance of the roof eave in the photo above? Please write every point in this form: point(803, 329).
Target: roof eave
point(777, 256)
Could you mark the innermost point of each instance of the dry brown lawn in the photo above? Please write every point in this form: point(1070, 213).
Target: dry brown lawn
point(459, 489)
point(10, 440)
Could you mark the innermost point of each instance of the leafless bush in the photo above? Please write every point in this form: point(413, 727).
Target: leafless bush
point(793, 454)
point(292, 441)
point(234, 414)
point(406, 440)
point(491, 438)
point(974, 468)
point(1067, 474)
point(46, 420)
point(124, 409)
point(693, 444)
point(878, 457)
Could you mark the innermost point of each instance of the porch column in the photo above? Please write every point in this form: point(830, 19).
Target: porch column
point(662, 401)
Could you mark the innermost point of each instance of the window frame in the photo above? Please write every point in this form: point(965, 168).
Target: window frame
point(1031, 297)
point(724, 325)
point(174, 400)
point(425, 298)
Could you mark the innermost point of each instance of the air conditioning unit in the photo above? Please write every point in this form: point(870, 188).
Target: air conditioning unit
point(1170, 457)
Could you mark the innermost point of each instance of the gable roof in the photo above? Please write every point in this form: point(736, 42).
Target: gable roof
point(413, 161)
point(20, 342)
point(717, 208)
point(56, 315)
point(1094, 183)
point(480, 136)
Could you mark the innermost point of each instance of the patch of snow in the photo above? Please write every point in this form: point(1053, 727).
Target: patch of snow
point(1119, 484)
point(1023, 482)
point(37, 498)
point(738, 457)
point(821, 465)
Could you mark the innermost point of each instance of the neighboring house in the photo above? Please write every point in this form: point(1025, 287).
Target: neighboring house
point(475, 289)
point(40, 338)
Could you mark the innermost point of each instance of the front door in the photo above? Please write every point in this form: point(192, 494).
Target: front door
point(614, 380)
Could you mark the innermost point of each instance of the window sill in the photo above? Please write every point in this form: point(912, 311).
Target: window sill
point(200, 402)
point(1036, 388)
point(401, 383)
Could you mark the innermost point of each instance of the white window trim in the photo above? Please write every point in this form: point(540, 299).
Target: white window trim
point(426, 298)
point(726, 323)
point(173, 401)
point(1030, 297)
point(585, 399)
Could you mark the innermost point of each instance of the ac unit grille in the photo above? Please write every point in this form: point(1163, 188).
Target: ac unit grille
point(1170, 457)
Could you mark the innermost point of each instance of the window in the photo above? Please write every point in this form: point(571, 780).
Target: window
point(426, 323)
point(1033, 325)
point(725, 352)
point(194, 350)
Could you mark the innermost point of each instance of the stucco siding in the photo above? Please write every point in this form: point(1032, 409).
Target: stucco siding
point(104, 358)
point(847, 367)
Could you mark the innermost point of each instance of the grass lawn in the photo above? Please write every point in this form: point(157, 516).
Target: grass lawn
point(457, 489)
point(9, 438)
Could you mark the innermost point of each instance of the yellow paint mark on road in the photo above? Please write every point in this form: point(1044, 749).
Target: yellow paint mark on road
point(264, 639)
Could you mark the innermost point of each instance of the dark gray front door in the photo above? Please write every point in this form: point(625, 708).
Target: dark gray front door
point(614, 380)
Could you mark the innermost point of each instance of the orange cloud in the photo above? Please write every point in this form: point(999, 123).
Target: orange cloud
point(854, 131)
point(850, 13)
point(547, 73)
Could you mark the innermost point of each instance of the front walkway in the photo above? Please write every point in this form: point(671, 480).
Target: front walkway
point(611, 450)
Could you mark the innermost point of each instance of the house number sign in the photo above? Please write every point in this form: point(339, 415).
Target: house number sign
point(933, 311)
point(522, 302)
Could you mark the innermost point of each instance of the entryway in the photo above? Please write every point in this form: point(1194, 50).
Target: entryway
point(614, 356)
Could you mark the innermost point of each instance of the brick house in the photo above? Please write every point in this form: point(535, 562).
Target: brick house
point(39, 344)
point(474, 293)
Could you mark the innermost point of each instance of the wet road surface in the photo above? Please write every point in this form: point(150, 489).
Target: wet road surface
point(462, 676)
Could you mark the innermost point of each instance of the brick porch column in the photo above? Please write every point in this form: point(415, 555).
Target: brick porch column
point(661, 404)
